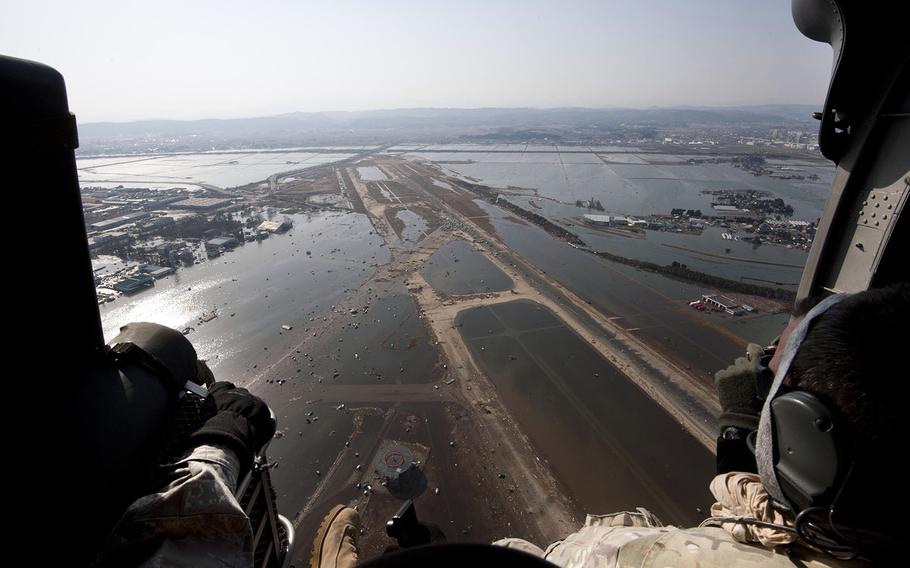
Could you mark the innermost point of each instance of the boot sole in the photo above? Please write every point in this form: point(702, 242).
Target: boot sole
point(316, 555)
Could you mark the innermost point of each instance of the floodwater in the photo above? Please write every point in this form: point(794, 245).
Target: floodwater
point(654, 306)
point(415, 227)
point(765, 265)
point(223, 170)
point(374, 339)
point(351, 337)
point(456, 268)
point(629, 182)
point(633, 184)
point(762, 329)
point(605, 440)
point(256, 289)
point(329, 199)
point(371, 173)
point(611, 445)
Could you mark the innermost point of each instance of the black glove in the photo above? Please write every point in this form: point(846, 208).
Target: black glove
point(242, 422)
point(739, 393)
point(742, 391)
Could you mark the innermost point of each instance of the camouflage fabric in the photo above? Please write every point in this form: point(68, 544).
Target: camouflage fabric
point(193, 521)
point(636, 539)
point(742, 496)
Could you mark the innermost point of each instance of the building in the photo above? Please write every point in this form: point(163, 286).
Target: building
point(619, 220)
point(221, 242)
point(156, 272)
point(597, 219)
point(276, 226)
point(163, 201)
point(720, 302)
point(728, 210)
point(157, 224)
point(202, 203)
point(133, 284)
point(107, 266)
point(100, 213)
point(107, 241)
point(607, 220)
point(118, 221)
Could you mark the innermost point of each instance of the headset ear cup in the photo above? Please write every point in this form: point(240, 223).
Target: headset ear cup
point(809, 460)
point(767, 454)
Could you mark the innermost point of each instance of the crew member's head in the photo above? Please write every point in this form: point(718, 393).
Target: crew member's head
point(852, 360)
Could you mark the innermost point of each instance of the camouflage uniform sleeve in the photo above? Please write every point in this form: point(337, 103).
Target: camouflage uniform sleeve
point(636, 539)
point(600, 542)
point(193, 521)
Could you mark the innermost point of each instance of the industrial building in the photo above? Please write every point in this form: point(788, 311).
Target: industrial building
point(118, 221)
point(135, 283)
point(276, 226)
point(723, 303)
point(221, 242)
point(107, 241)
point(607, 220)
point(202, 203)
point(156, 224)
point(155, 271)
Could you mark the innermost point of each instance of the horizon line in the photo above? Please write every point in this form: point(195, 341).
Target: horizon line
point(446, 108)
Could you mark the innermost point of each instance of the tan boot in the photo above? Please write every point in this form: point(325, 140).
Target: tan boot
point(335, 545)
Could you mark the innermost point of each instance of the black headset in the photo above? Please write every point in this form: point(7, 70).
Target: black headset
point(803, 456)
point(799, 447)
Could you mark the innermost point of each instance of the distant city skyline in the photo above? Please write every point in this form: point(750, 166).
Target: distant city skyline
point(128, 61)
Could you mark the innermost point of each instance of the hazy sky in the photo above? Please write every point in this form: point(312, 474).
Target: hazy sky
point(126, 60)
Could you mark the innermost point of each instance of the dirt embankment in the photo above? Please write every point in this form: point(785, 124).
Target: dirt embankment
point(531, 491)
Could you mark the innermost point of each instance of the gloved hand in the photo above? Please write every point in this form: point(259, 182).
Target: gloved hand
point(738, 391)
point(204, 375)
point(242, 422)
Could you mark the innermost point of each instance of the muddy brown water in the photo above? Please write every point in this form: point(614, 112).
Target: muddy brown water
point(456, 268)
point(607, 441)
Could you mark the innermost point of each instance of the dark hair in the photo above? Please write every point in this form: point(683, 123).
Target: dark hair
point(852, 359)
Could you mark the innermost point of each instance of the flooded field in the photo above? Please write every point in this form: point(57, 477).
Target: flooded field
point(329, 199)
point(371, 173)
point(612, 445)
point(456, 268)
point(628, 183)
point(258, 288)
point(652, 305)
point(414, 226)
point(326, 323)
point(222, 170)
point(550, 180)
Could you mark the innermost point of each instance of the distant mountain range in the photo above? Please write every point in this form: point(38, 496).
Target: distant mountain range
point(298, 123)
point(431, 125)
